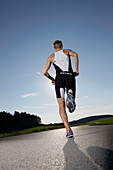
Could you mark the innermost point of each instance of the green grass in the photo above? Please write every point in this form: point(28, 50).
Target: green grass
point(105, 121)
point(31, 130)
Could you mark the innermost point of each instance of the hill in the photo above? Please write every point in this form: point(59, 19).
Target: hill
point(84, 120)
point(89, 119)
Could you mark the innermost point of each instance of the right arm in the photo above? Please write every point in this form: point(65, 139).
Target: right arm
point(47, 67)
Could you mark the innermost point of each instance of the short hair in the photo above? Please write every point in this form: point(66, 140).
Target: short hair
point(57, 44)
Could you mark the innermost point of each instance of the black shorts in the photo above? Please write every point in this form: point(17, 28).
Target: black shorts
point(64, 82)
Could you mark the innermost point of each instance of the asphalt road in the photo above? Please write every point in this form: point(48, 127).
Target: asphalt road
point(90, 149)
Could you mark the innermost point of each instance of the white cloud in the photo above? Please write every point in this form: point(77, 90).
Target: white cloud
point(38, 73)
point(49, 104)
point(86, 97)
point(42, 106)
point(29, 95)
point(32, 107)
point(82, 107)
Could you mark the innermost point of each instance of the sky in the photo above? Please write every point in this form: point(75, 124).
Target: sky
point(28, 29)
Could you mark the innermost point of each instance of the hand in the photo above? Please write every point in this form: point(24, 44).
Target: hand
point(53, 82)
point(76, 74)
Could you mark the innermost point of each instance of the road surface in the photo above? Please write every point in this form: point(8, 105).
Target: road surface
point(90, 149)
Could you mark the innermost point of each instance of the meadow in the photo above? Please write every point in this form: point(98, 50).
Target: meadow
point(104, 121)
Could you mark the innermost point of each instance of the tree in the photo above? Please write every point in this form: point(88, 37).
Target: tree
point(18, 121)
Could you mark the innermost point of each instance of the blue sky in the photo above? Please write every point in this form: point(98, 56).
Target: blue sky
point(27, 31)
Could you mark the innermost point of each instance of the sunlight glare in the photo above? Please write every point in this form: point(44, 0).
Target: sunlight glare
point(52, 88)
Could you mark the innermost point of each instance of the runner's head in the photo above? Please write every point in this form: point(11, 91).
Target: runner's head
point(58, 45)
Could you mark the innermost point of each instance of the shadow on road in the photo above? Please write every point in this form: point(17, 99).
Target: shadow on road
point(76, 159)
point(103, 157)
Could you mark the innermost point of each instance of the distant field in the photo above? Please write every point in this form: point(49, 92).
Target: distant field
point(104, 121)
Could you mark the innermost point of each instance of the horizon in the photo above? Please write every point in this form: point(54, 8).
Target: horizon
point(61, 121)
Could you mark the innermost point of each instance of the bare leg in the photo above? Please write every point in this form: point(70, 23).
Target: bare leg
point(63, 113)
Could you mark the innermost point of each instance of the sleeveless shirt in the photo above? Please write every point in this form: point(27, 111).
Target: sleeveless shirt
point(62, 62)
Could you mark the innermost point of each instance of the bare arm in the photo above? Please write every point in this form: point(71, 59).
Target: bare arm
point(76, 60)
point(47, 66)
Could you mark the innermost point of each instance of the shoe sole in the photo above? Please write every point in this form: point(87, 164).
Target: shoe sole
point(71, 105)
point(71, 136)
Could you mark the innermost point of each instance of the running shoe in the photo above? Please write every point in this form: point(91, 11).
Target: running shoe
point(70, 102)
point(69, 134)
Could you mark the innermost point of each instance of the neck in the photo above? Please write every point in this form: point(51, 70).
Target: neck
point(58, 49)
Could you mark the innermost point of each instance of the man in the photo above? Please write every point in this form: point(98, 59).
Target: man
point(65, 79)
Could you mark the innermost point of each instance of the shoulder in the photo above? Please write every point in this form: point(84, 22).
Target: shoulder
point(69, 52)
point(51, 58)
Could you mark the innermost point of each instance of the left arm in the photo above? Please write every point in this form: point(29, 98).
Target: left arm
point(76, 60)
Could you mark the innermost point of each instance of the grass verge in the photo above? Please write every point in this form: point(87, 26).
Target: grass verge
point(30, 130)
point(105, 121)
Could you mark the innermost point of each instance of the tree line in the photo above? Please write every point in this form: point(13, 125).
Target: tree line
point(18, 121)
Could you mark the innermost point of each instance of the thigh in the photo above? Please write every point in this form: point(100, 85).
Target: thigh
point(71, 84)
point(60, 86)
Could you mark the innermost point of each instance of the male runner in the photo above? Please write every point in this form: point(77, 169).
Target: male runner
point(65, 80)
